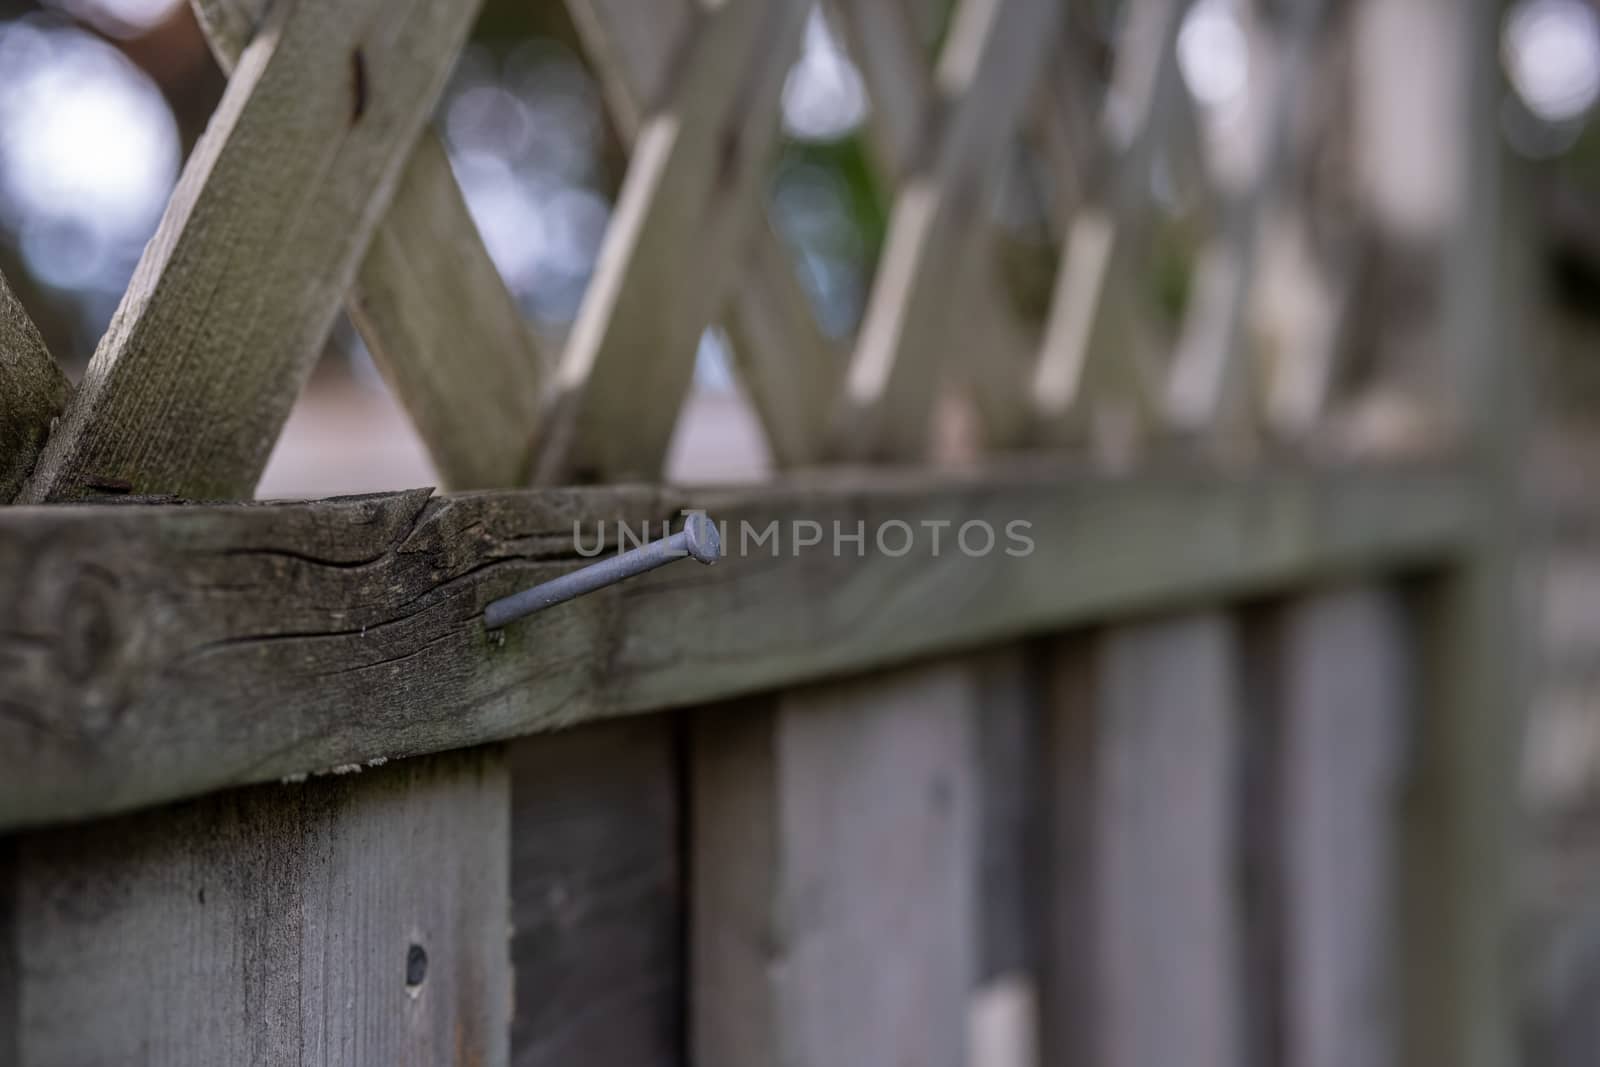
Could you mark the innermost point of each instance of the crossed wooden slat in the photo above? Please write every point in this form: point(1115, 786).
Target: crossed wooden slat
point(989, 345)
point(788, 366)
point(229, 306)
point(971, 107)
point(1091, 343)
point(1210, 385)
point(317, 178)
point(691, 194)
point(431, 306)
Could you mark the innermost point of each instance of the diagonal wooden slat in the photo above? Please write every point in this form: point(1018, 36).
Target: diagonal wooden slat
point(32, 393)
point(986, 73)
point(633, 46)
point(441, 324)
point(1089, 337)
point(906, 105)
point(1210, 386)
point(1308, 311)
point(235, 294)
point(691, 195)
point(789, 367)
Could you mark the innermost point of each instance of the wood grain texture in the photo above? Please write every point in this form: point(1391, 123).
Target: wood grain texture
point(692, 193)
point(597, 896)
point(230, 304)
point(432, 308)
point(157, 652)
point(1146, 960)
point(32, 393)
point(1346, 691)
point(274, 925)
point(834, 844)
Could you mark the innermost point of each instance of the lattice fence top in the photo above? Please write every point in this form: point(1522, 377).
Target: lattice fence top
point(319, 185)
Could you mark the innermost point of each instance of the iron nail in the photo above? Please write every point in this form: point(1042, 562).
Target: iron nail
point(697, 540)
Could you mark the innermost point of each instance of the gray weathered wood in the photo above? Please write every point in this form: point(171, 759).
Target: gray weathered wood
point(632, 46)
point(789, 369)
point(1145, 969)
point(993, 348)
point(230, 304)
point(1212, 385)
point(1090, 336)
point(690, 198)
point(155, 652)
point(1010, 770)
point(834, 848)
point(1003, 1023)
point(276, 925)
point(32, 393)
point(597, 896)
point(435, 314)
point(986, 75)
point(1460, 838)
point(1345, 694)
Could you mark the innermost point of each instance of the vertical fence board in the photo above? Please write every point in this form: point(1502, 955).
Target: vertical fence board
point(1344, 696)
point(597, 896)
point(1003, 1020)
point(353, 920)
point(1144, 969)
point(834, 849)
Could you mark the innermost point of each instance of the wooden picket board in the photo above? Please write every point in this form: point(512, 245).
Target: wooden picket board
point(1344, 691)
point(834, 839)
point(235, 294)
point(1003, 1018)
point(790, 370)
point(597, 896)
point(691, 195)
point(351, 920)
point(985, 78)
point(1144, 953)
point(432, 308)
point(32, 393)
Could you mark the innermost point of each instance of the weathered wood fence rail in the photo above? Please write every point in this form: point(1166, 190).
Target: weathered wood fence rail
point(1210, 767)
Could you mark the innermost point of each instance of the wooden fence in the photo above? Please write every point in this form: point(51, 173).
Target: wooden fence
point(1216, 772)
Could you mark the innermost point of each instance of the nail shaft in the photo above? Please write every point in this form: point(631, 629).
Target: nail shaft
point(697, 540)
